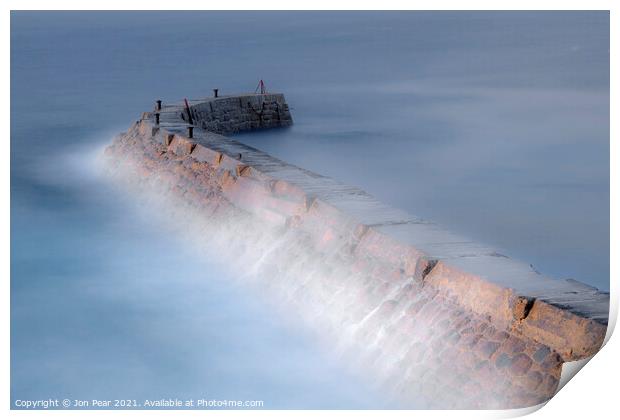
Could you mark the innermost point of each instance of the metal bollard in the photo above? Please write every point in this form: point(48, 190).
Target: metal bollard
point(215, 93)
point(190, 133)
point(157, 118)
point(158, 105)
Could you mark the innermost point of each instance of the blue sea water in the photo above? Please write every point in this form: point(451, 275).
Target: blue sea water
point(495, 124)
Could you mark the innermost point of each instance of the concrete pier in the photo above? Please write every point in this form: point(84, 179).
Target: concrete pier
point(453, 318)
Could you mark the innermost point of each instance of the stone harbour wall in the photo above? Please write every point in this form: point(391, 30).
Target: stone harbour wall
point(231, 114)
point(453, 328)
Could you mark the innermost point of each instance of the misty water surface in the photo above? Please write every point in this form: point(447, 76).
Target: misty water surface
point(494, 124)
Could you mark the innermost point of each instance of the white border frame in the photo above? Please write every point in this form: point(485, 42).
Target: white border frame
point(592, 394)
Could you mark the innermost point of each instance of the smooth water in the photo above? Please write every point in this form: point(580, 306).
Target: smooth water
point(496, 125)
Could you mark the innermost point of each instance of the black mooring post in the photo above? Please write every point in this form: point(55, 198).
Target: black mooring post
point(158, 105)
point(157, 118)
point(190, 133)
point(215, 93)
